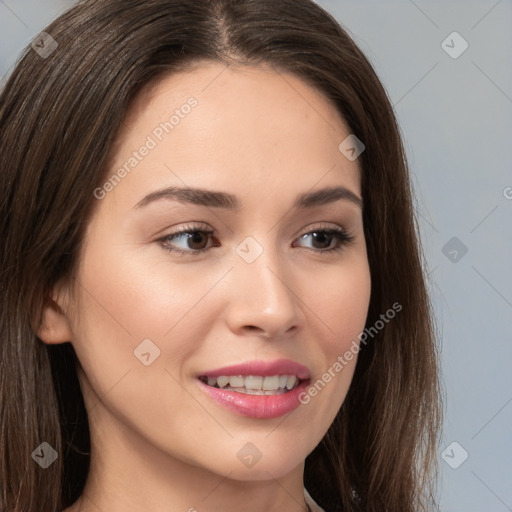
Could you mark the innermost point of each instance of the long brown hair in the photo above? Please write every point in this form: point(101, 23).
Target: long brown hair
point(59, 114)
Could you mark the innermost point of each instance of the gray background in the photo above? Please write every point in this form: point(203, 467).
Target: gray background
point(456, 117)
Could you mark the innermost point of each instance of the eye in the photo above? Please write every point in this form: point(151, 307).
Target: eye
point(192, 239)
point(331, 239)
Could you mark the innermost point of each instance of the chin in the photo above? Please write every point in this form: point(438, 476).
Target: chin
point(261, 471)
point(260, 461)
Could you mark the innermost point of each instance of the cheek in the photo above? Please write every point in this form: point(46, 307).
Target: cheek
point(340, 299)
point(121, 305)
point(339, 305)
point(140, 296)
point(166, 312)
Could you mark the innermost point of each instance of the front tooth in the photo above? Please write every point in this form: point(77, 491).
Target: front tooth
point(222, 381)
point(282, 381)
point(290, 382)
point(253, 382)
point(271, 383)
point(236, 381)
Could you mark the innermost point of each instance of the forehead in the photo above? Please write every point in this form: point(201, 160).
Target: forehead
point(221, 126)
point(242, 87)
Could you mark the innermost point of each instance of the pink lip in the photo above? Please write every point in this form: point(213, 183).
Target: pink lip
point(262, 368)
point(258, 406)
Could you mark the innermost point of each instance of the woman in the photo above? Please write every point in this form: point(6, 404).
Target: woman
point(212, 289)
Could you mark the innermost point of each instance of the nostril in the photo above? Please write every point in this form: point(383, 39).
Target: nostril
point(253, 328)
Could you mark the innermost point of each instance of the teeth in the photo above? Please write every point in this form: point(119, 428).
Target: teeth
point(271, 383)
point(236, 382)
point(290, 383)
point(254, 391)
point(222, 381)
point(255, 384)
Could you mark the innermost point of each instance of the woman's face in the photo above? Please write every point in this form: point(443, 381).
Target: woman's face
point(274, 282)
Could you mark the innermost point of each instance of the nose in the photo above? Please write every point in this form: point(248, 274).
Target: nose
point(263, 298)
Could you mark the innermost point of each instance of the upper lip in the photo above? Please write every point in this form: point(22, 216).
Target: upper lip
point(261, 368)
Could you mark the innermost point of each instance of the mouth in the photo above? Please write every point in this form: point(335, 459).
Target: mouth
point(254, 384)
point(258, 389)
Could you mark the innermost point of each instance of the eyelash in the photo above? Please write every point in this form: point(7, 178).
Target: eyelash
point(339, 233)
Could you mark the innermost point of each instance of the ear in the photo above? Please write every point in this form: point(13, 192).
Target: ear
point(55, 325)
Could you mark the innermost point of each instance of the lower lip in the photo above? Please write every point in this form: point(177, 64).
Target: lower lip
point(256, 406)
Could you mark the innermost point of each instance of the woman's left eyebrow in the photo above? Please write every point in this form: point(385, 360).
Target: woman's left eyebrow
point(325, 196)
point(215, 199)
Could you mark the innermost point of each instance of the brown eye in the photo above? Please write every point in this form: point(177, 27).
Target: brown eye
point(195, 240)
point(323, 239)
point(191, 241)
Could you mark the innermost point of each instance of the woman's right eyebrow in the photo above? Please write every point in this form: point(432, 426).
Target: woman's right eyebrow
point(216, 199)
point(199, 196)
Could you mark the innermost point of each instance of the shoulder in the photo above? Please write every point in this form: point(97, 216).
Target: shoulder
point(312, 505)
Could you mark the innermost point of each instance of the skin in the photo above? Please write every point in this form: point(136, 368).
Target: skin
point(159, 443)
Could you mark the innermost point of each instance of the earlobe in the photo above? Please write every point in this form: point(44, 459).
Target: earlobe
point(55, 326)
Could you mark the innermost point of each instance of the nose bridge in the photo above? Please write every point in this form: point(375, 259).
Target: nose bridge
point(261, 294)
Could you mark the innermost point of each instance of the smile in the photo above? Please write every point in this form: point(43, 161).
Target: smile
point(257, 389)
point(253, 384)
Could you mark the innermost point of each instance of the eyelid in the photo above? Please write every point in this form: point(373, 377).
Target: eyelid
point(323, 226)
point(344, 237)
point(187, 228)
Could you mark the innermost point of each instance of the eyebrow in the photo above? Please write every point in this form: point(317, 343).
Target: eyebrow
point(213, 199)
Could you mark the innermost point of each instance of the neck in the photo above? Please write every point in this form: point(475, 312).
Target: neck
point(128, 474)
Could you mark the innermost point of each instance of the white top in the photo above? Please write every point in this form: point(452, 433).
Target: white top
point(312, 505)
